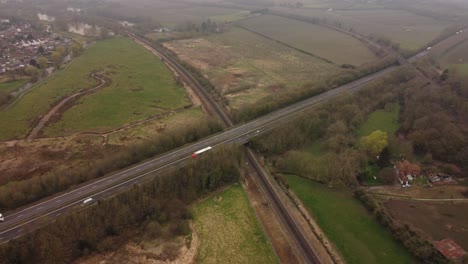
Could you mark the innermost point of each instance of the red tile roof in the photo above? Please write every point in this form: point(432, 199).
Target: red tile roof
point(449, 249)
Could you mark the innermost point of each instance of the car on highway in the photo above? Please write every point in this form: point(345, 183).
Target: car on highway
point(88, 201)
point(2, 219)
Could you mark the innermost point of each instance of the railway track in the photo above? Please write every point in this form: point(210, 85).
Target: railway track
point(306, 250)
point(209, 103)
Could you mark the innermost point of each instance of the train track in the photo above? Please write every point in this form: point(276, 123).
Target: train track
point(305, 248)
point(209, 103)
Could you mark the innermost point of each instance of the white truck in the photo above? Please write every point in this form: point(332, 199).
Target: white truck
point(2, 219)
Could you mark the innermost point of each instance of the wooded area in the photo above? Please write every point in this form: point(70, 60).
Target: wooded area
point(157, 208)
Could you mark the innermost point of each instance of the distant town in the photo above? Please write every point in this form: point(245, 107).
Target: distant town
point(21, 44)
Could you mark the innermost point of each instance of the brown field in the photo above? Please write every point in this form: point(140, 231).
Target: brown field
point(411, 31)
point(325, 43)
point(434, 220)
point(245, 67)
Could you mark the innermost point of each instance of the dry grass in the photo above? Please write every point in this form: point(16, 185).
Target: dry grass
point(246, 67)
point(229, 231)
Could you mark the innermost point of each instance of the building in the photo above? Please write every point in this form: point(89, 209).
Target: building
point(449, 249)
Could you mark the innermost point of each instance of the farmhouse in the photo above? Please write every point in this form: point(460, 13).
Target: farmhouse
point(406, 172)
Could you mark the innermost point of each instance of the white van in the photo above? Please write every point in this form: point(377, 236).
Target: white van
point(2, 219)
point(88, 201)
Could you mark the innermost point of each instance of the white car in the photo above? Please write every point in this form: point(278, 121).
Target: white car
point(88, 201)
point(2, 219)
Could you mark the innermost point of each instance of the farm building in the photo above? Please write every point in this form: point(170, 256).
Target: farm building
point(406, 172)
point(449, 249)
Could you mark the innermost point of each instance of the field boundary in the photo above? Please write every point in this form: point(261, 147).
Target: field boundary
point(404, 197)
point(287, 45)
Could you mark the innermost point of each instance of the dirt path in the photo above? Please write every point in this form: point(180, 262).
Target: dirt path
point(56, 109)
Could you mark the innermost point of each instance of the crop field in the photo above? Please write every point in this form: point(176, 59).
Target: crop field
point(246, 67)
point(141, 86)
point(358, 237)
point(320, 41)
point(385, 120)
point(410, 30)
point(229, 231)
point(436, 221)
point(9, 87)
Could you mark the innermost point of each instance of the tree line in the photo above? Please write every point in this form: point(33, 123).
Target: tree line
point(19, 193)
point(158, 208)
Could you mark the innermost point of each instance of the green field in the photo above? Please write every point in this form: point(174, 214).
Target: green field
point(358, 237)
point(9, 87)
point(411, 31)
point(141, 86)
point(229, 231)
point(385, 120)
point(320, 41)
point(246, 67)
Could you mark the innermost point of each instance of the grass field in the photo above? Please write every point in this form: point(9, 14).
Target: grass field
point(229, 231)
point(141, 86)
point(410, 30)
point(358, 237)
point(385, 120)
point(246, 67)
point(9, 87)
point(320, 41)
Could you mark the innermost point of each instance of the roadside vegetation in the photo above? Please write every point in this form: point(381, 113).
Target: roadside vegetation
point(229, 230)
point(158, 208)
point(358, 237)
point(105, 160)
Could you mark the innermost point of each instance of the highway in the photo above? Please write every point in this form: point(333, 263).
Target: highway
point(15, 223)
point(24, 220)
